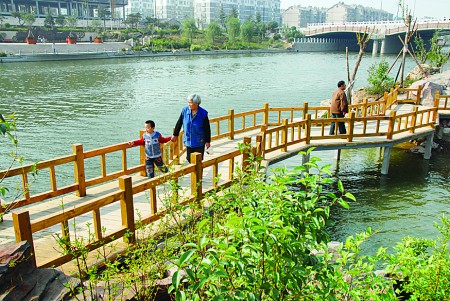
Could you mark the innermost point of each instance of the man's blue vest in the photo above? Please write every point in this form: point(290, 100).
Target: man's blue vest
point(194, 134)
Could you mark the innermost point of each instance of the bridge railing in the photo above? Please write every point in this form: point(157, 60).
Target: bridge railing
point(283, 134)
point(305, 131)
point(223, 126)
point(126, 230)
point(80, 182)
point(442, 102)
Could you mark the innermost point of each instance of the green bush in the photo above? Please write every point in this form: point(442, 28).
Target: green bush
point(195, 47)
point(379, 80)
point(3, 54)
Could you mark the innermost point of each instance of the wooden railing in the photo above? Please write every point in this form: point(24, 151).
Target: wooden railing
point(442, 102)
point(25, 227)
point(221, 127)
point(299, 127)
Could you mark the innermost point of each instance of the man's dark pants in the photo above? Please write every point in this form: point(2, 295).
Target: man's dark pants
point(191, 150)
point(341, 125)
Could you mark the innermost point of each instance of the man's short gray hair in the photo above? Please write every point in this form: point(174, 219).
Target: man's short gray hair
point(195, 98)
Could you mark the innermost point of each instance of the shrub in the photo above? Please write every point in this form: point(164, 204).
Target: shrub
point(379, 80)
point(3, 54)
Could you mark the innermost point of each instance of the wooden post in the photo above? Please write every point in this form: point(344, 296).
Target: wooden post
point(259, 139)
point(351, 126)
point(308, 129)
point(266, 114)
point(419, 92)
point(428, 147)
point(386, 158)
point(196, 176)
point(414, 120)
point(22, 231)
point(245, 154)
point(437, 98)
point(385, 98)
point(97, 224)
point(305, 110)
point(263, 141)
point(142, 156)
point(364, 112)
point(127, 207)
point(231, 124)
point(176, 150)
point(284, 135)
point(153, 201)
point(78, 169)
point(391, 125)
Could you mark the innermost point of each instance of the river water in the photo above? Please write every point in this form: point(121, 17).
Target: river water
point(99, 103)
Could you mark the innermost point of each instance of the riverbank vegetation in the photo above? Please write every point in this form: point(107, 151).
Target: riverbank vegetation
point(266, 238)
point(151, 34)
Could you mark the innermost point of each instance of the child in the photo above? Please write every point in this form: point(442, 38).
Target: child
point(152, 141)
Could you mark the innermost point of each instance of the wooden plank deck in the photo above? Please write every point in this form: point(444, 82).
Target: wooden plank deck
point(81, 227)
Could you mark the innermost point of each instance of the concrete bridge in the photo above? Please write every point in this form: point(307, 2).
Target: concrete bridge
point(384, 34)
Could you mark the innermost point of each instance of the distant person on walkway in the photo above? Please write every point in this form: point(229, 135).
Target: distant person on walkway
point(152, 141)
point(195, 122)
point(339, 107)
point(54, 48)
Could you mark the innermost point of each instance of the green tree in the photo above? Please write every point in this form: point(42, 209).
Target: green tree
point(435, 55)
point(29, 19)
point(234, 12)
point(247, 31)
point(71, 22)
point(213, 31)
point(49, 21)
point(233, 29)
point(103, 13)
point(188, 28)
point(258, 17)
point(19, 16)
point(420, 50)
point(60, 20)
point(133, 20)
point(272, 25)
point(222, 17)
point(379, 80)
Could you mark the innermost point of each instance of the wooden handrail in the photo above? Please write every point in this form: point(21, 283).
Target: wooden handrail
point(279, 137)
point(249, 120)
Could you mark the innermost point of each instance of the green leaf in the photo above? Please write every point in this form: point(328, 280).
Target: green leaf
point(340, 186)
point(350, 196)
point(180, 296)
point(344, 204)
point(186, 256)
point(176, 278)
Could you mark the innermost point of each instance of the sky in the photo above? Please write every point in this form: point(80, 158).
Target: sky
point(419, 8)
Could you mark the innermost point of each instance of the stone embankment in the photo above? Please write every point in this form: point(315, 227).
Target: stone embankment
point(21, 52)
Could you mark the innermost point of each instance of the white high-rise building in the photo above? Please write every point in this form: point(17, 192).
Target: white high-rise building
point(178, 10)
point(207, 11)
point(145, 7)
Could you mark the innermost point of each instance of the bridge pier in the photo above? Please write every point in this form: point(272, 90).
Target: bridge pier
point(428, 147)
point(386, 159)
point(383, 46)
point(375, 47)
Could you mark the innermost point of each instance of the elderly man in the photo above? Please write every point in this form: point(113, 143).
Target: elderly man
point(339, 107)
point(195, 122)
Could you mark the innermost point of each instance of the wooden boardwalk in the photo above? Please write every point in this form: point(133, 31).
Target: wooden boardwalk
point(107, 205)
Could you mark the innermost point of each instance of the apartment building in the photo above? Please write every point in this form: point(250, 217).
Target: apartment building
point(207, 11)
point(341, 13)
point(300, 17)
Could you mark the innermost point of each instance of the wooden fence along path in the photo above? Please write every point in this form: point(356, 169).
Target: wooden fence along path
point(100, 210)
